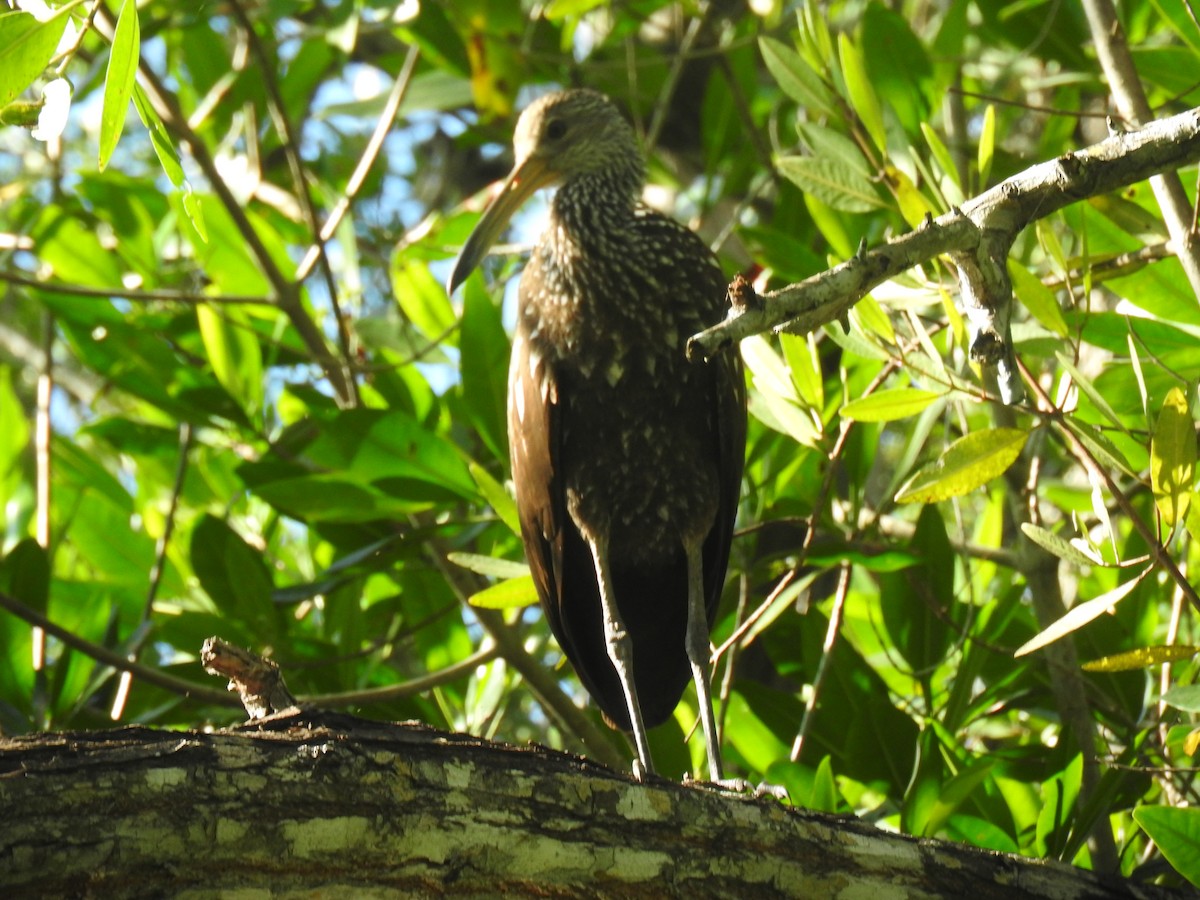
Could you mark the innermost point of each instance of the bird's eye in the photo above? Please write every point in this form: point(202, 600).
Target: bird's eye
point(556, 129)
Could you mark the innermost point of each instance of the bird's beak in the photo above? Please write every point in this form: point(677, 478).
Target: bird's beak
point(529, 175)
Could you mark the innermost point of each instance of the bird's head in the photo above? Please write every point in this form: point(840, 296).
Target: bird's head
point(559, 137)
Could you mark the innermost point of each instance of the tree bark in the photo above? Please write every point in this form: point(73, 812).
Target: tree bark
point(305, 803)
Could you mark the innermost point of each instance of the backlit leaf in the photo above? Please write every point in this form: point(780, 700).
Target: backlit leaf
point(26, 47)
point(118, 81)
point(510, 594)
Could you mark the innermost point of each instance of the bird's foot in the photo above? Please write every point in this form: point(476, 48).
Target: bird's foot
point(741, 786)
point(639, 771)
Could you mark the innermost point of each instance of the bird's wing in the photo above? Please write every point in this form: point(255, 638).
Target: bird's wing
point(730, 412)
point(534, 437)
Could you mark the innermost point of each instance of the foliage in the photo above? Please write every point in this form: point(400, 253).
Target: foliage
point(267, 421)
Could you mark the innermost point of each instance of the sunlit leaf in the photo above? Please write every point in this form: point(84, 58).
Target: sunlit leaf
point(987, 144)
point(889, 405)
point(1079, 615)
point(862, 94)
point(118, 80)
point(970, 462)
point(498, 499)
point(233, 353)
point(491, 566)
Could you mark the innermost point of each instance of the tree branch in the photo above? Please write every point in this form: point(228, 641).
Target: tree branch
point(977, 238)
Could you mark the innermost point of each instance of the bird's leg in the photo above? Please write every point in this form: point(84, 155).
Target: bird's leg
point(698, 652)
point(620, 651)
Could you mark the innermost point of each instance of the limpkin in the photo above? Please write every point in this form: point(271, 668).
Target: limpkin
point(627, 460)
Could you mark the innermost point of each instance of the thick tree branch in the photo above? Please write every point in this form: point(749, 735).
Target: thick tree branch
point(977, 238)
point(367, 809)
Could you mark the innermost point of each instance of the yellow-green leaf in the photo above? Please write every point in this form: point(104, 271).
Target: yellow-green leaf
point(1173, 457)
point(498, 499)
point(861, 93)
point(804, 364)
point(510, 594)
point(118, 81)
point(987, 144)
point(940, 153)
point(233, 352)
point(1141, 658)
point(26, 47)
point(168, 156)
point(889, 405)
point(970, 462)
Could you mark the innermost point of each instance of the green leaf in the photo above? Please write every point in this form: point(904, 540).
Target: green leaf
point(26, 48)
point(1141, 658)
point(1176, 832)
point(235, 576)
point(233, 353)
point(25, 575)
point(484, 367)
point(826, 143)
point(804, 365)
point(889, 405)
point(1037, 298)
point(511, 594)
point(1085, 384)
point(832, 181)
point(168, 156)
point(987, 144)
point(1060, 547)
point(1185, 697)
point(941, 153)
point(970, 462)
point(1079, 615)
point(861, 93)
point(1173, 457)
point(497, 497)
point(118, 80)
point(491, 566)
point(796, 78)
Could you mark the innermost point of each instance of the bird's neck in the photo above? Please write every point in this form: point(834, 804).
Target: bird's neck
point(595, 207)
